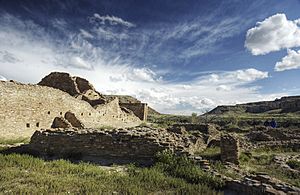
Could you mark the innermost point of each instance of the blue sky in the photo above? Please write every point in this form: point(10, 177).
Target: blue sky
point(179, 56)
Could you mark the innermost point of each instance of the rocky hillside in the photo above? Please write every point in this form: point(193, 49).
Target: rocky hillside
point(289, 104)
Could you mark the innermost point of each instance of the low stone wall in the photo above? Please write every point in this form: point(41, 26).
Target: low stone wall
point(261, 184)
point(229, 148)
point(131, 144)
point(209, 132)
point(275, 137)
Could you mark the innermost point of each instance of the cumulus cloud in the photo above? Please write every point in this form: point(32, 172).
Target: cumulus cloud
point(112, 20)
point(291, 61)
point(273, 34)
point(247, 75)
point(237, 76)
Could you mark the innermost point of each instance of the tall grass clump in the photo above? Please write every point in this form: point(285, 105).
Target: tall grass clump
point(184, 168)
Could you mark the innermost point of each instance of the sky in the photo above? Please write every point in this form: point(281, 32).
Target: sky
point(178, 56)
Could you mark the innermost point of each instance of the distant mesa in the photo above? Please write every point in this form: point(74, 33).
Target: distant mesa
point(289, 104)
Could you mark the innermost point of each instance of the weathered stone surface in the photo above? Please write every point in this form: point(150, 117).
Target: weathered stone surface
point(130, 99)
point(92, 97)
point(261, 184)
point(82, 89)
point(83, 84)
point(27, 108)
point(275, 137)
point(139, 109)
point(73, 120)
point(134, 143)
point(60, 122)
point(62, 81)
point(229, 148)
point(209, 131)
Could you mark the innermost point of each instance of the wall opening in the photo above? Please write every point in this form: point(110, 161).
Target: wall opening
point(90, 114)
point(49, 112)
point(27, 125)
point(37, 124)
point(60, 113)
point(81, 114)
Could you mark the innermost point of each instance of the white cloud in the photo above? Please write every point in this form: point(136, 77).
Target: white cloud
point(273, 34)
point(8, 57)
point(78, 62)
point(247, 75)
point(237, 76)
point(2, 78)
point(223, 88)
point(291, 61)
point(38, 56)
point(143, 74)
point(86, 34)
point(112, 20)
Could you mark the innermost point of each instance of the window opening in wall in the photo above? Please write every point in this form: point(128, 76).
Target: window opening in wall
point(37, 124)
point(48, 112)
point(81, 114)
point(60, 113)
point(27, 125)
point(90, 114)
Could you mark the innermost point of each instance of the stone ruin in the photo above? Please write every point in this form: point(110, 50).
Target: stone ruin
point(25, 108)
point(229, 148)
point(83, 90)
point(274, 137)
point(138, 144)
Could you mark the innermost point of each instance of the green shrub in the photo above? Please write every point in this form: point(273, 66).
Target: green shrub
point(182, 167)
point(211, 153)
point(294, 164)
point(245, 157)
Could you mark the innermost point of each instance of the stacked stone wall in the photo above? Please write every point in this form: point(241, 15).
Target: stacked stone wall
point(26, 108)
point(131, 144)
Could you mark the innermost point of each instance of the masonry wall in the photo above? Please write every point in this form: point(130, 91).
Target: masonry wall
point(26, 108)
point(123, 144)
point(139, 109)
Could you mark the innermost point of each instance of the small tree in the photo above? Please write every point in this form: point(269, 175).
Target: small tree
point(194, 117)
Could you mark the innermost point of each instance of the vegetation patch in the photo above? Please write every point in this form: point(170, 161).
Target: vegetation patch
point(182, 167)
point(211, 153)
point(24, 140)
point(262, 161)
point(24, 174)
point(294, 164)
